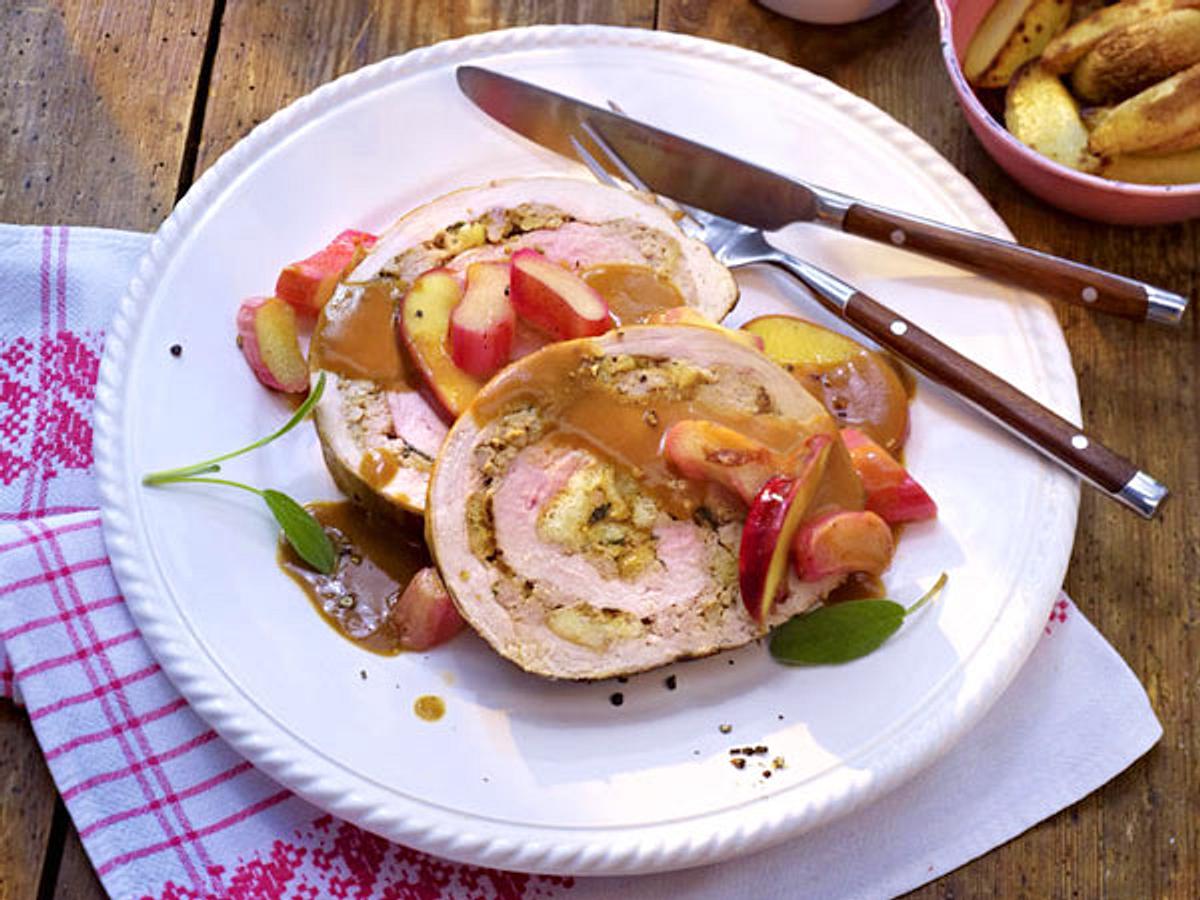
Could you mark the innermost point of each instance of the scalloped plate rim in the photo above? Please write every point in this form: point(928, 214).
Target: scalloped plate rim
point(602, 850)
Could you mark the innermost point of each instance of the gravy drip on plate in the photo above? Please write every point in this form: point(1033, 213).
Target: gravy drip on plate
point(633, 293)
point(355, 336)
point(375, 563)
point(429, 707)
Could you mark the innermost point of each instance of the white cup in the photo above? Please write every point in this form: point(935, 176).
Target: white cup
point(829, 12)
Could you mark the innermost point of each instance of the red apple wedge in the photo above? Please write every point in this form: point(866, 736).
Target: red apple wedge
point(892, 493)
point(841, 543)
point(424, 333)
point(483, 323)
point(771, 525)
point(424, 616)
point(705, 451)
point(309, 283)
point(555, 299)
point(266, 332)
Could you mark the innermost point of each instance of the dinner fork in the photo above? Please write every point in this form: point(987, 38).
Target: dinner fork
point(736, 245)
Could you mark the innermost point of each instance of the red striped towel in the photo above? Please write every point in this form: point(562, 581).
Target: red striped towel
point(166, 809)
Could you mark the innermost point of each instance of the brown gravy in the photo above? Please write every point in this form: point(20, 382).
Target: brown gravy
point(375, 563)
point(378, 467)
point(358, 338)
point(429, 707)
point(859, 586)
point(865, 391)
point(631, 434)
point(633, 293)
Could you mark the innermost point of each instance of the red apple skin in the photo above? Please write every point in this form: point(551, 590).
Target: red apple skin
point(555, 299)
point(266, 329)
point(424, 616)
point(892, 493)
point(771, 525)
point(483, 323)
point(424, 328)
point(841, 543)
point(309, 283)
point(705, 451)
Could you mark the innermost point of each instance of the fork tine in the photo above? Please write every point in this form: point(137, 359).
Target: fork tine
point(628, 173)
point(632, 177)
point(593, 164)
point(689, 225)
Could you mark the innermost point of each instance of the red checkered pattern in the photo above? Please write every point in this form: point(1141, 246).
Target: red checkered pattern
point(164, 807)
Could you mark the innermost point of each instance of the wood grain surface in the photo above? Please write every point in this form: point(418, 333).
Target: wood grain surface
point(88, 138)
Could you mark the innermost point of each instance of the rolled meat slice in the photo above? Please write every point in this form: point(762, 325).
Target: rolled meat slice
point(565, 538)
point(378, 435)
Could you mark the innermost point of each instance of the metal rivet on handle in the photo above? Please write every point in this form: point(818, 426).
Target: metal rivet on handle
point(1079, 442)
point(1089, 294)
point(899, 237)
point(899, 328)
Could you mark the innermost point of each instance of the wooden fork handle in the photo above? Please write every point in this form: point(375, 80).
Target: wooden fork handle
point(1039, 272)
point(1044, 430)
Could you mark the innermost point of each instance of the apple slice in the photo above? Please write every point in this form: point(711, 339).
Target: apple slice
point(424, 333)
point(555, 299)
point(892, 493)
point(424, 616)
point(266, 332)
point(706, 451)
point(483, 323)
point(841, 543)
point(859, 387)
point(771, 525)
point(308, 284)
point(687, 315)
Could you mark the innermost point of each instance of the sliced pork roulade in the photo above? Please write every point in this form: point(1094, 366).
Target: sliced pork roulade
point(378, 433)
point(563, 525)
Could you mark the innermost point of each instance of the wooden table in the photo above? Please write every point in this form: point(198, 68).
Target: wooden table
point(109, 111)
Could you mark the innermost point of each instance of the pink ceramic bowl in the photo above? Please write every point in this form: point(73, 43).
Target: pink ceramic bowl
point(1102, 199)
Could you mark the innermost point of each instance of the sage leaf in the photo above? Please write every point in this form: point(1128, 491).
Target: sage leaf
point(838, 633)
point(302, 531)
point(844, 631)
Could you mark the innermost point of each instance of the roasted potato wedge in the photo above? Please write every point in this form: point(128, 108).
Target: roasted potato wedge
point(1133, 58)
point(1187, 141)
point(1081, 9)
point(1040, 21)
point(1157, 117)
point(1041, 113)
point(1093, 115)
point(992, 34)
point(1065, 51)
point(1173, 168)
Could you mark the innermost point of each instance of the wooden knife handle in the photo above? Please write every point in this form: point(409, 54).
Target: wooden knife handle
point(1039, 272)
point(1045, 430)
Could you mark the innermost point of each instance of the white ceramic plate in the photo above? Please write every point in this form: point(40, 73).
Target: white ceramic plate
point(523, 773)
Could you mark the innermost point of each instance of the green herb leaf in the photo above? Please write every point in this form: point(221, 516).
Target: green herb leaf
point(302, 531)
point(166, 476)
point(837, 633)
point(844, 631)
